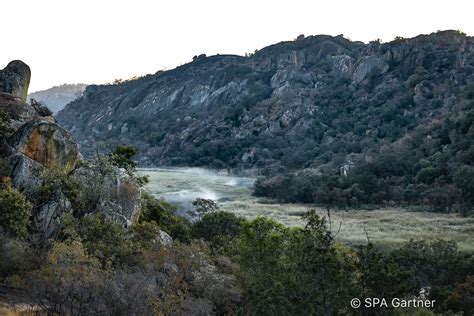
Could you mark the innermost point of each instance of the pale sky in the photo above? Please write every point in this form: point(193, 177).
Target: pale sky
point(97, 41)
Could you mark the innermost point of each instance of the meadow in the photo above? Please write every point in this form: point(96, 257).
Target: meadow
point(387, 226)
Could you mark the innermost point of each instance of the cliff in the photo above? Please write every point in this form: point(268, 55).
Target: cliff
point(292, 104)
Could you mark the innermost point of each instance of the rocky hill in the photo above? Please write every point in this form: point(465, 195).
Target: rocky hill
point(35, 150)
point(57, 97)
point(294, 104)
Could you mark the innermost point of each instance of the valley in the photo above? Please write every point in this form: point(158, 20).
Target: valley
point(386, 227)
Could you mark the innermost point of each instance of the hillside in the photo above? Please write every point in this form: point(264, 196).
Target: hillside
point(82, 237)
point(304, 103)
point(57, 97)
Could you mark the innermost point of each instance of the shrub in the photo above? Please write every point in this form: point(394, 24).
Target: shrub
point(217, 224)
point(163, 213)
point(15, 210)
point(16, 257)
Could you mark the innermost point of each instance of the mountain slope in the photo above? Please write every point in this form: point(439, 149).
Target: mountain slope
point(57, 97)
point(307, 103)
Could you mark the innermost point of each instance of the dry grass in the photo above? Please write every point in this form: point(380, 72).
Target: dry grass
point(387, 227)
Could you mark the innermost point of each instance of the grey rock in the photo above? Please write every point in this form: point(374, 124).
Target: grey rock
point(15, 79)
point(280, 97)
point(120, 195)
point(165, 239)
point(369, 65)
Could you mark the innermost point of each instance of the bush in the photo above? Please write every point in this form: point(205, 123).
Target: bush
point(102, 238)
point(217, 224)
point(163, 213)
point(16, 256)
point(15, 210)
point(71, 282)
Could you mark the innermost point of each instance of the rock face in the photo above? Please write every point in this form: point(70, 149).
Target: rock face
point(38, 145)
point(369, 65)
point(44, 141)
point(120, 196)
point(15, 79)
point(290, 105)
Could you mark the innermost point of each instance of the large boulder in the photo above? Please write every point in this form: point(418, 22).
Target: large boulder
point(118, 194)
point(18, 111)
point(47, 143)
point(15, 79)
point(124, 201)
point(369, 65)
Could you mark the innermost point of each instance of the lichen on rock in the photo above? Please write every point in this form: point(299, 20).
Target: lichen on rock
point(15, 79)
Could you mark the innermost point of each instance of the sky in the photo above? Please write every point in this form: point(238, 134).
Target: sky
point(97, 41)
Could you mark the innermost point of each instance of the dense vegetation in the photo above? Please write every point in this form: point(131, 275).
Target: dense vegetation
point(395, 118)
point(432, 166)
point(226, 265)
point(217, 264)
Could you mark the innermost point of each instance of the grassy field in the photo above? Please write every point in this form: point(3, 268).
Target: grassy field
point(386, 227)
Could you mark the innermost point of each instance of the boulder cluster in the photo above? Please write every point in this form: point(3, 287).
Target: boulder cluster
point(37, 144)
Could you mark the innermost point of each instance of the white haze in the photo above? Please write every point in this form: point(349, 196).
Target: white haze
point(181, 186)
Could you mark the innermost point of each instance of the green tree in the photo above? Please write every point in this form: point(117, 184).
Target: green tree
point(164, 214)
point(464, 180)
point(262, 250)
point(15, 210)
point(122, 156)
point(202, 207)
point(322, 273)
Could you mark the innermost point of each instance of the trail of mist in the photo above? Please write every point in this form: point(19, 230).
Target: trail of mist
point(181, 186)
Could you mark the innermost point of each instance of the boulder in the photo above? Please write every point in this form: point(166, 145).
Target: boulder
point(47, 217)
point(27, 177)
point(26, 174)
point(47, 143)
point(18, 111)
point(165, 239)
point(120, 195)
point(15, 79)
point(124, 205)
point(369, 65)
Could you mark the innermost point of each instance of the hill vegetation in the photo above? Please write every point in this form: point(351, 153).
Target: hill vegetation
point(395, 118)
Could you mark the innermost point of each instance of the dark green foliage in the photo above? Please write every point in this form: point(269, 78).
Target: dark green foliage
point(464, 180)
point(203, 207)
point(215, 225)
point(16, 256)
point(15, 210)
point(295, 271)
point(438, 265)
point(303, 271)
point(380, 273)
point(105, 240)
point(163, 214)
point(122, 156)
point(432, 167)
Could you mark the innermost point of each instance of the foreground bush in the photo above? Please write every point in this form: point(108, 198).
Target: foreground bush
point(15, 210)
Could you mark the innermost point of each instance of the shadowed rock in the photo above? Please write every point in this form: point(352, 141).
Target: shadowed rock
point(15, 79)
